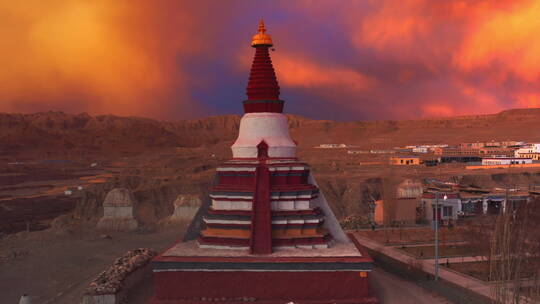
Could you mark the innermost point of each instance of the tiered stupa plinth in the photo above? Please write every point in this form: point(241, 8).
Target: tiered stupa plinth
point(269, 235)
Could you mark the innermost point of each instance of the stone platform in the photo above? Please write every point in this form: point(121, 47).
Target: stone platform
point(188, 274)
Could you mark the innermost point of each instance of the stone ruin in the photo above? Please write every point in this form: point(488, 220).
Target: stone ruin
point(185, 208)
point(118, 211)
point(409, 189)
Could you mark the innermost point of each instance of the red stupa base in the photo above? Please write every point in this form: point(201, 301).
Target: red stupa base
point(264, 279)
point(262, 287)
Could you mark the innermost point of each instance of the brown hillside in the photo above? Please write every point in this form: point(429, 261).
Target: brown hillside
point(56, 133)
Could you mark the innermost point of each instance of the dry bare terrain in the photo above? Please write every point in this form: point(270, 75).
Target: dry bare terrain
point(158, 160)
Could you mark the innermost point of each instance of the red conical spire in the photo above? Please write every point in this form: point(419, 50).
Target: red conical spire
point(263, 88)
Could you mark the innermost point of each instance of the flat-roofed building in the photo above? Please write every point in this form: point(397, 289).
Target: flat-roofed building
point(496, 151)
point(475, 145)
point(533, 156)
point(490, 161)
point(471, 204)
point(405, 160)
point(529, 151)
point(448, 208)
point(455, 151)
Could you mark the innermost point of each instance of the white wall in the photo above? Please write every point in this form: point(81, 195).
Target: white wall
point(430, 204)
point(505, 161)
point(270, 127)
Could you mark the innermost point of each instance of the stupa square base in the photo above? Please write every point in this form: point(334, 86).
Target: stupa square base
point(311, 277)
point(262, 287)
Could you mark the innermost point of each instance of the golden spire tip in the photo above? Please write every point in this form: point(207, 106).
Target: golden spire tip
point(262, 29)
point(261, 38)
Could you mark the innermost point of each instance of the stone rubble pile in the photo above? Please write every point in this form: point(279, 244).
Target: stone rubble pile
point(110, 280)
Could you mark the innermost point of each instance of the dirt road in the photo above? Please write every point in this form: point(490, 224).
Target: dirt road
point(57, 268)
point(392, 289)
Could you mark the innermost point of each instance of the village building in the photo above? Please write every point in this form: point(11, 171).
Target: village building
point(499, 151)
point(405, 160)
point(378, 212)
point(493, 203)
point(402, 208)
point(516, 199)
point(512, 143)
point(269, 235)
point(471, 204)
point(533, 156)
point(475, 145)
point(403, 150)
point(407, 194)
point(455, 151)
point(529, 151)
point(420, 150)
point(357, 152)
point(382, 151)
point(460, 159)
point(491, 161)
point(332, 146)
point(447, 209)
point(430, 162)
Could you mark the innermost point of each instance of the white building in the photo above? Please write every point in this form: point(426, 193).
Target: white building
point(494, 161)
point(331, 146)
point(527, 151)
point(448, 208)
point(357, 152)
point(420, 149)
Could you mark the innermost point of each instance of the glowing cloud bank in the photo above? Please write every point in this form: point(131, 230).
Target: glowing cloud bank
point(347, 60)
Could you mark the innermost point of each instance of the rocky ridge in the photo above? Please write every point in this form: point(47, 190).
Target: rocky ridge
point(55, 133)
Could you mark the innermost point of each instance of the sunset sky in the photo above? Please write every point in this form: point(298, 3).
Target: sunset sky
point(343, 60)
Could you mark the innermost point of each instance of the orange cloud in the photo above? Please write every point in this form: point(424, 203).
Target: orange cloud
point(437, 110)
point(365, 59)
point(54, 53)
point(528, 100)
point(295, 71)
point(507, 38)
point(478, 100)
point(384, 30)
point(405, 31)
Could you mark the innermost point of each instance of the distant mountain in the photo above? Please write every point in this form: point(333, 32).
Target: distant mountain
point(55, 133)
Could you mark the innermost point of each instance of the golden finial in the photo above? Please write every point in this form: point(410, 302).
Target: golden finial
point(262, 29)
point(262, 38)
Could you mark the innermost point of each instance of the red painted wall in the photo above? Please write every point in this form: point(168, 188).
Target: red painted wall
point(237, 180)
point(338, 285)
point(261, 223)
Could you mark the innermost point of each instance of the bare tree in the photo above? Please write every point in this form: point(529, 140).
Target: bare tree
point(389, 188)
point(478, 234)
point(515, 248)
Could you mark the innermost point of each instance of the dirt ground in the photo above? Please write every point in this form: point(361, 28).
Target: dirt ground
point(444, 251)
point(412, 235)
point(481, 270)
point(391, 289)
point(56, 268)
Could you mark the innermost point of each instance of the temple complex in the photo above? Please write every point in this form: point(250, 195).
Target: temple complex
point(268, 234)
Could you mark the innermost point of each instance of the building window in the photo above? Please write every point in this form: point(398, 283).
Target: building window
point(447, 211)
